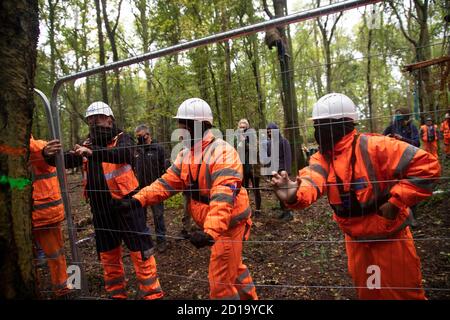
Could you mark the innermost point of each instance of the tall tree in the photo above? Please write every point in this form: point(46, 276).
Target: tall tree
point(143, 29)
point(369, 69)
point(19, 30)
point(252, 51)
point(416, 31)
point(278, 37)
point(52, 18)
point(327, 27)
point(84, 45)
point(111, 31)
point(101, 49)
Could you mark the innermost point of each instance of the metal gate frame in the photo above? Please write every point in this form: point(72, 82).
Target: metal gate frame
point(53, 114)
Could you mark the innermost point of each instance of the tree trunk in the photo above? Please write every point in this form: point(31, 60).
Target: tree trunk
point(101, 48)
point(216, 94)
point(111, 32)
point(84, 44)
point(421, 46)
point(369, 75)
point(227, 90)
point(254, 58)
point(327, 37)
point(317, 71)
point(51, 35)
point(144, 32)
point(18, 42)
point(227, 85)
point(289, 98)
point(251, 49)
point(423, 52)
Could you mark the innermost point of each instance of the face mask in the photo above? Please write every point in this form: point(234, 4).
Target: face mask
point(141, 140)
point(101, 136)
point(328, 134)
point(398, 117)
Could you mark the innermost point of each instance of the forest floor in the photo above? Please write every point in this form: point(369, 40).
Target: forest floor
point(310, 264)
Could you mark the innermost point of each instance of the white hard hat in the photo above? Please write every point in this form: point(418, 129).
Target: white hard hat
point(334, 106)
point(447, 116)
point(195, 109)
point(99, 107)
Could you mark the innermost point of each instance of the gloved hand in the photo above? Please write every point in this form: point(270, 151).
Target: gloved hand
point(201, 239)
point(389, 211)
point(126, 204)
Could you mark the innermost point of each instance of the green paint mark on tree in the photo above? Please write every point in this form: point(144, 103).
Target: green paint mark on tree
point(15, 183)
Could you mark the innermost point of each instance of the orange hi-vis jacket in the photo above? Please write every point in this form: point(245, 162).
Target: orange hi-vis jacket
point(48, 207)
point(424, 133)
point(385, 170)
point(445, 129)
point(222, 202)
point(119, 177)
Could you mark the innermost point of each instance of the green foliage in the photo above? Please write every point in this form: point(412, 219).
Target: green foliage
point(175, 202)
point(151, 92)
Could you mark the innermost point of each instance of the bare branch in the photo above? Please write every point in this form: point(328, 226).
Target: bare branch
point(334, 25)
point(118, 16)
point(267, 10)
point(402, 28)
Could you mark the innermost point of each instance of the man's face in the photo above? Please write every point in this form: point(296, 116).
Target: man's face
point(142, 134)
point(269, 133)
point(429, 122)
point(100, 120)
point(402, 118)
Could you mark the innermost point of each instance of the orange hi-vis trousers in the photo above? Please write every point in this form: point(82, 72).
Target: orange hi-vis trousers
point(50, 240)
point(149, 287)
point(386, 269)
point(114, 275)
point(229, 278)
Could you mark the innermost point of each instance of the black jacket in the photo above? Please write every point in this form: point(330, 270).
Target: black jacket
point(149, 163)
point(97, 189)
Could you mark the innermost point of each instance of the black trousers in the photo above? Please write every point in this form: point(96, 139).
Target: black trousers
point(249, 176)
point(113, 226)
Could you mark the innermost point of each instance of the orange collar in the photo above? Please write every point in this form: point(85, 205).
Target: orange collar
point(345, 144)
point(207, 139)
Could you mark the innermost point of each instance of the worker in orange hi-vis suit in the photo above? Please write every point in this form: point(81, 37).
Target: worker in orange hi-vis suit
point(106, 158)
point(371, 181)
point(429, 135)
point(445, 129)
point(209, 173)
point(47, 215)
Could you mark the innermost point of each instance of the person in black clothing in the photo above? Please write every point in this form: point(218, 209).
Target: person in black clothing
point(247, 146)
point(282, 163)
point(402, 128)
point(149, 165)
point(106, 157)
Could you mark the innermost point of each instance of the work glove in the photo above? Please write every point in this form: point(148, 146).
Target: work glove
point(389, 211)
point(126, 204)
point(201, 239)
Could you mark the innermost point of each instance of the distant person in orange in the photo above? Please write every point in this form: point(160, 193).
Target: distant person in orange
point(47, 215)
point(371, 181)
point(445, 130)
point(429, 135)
